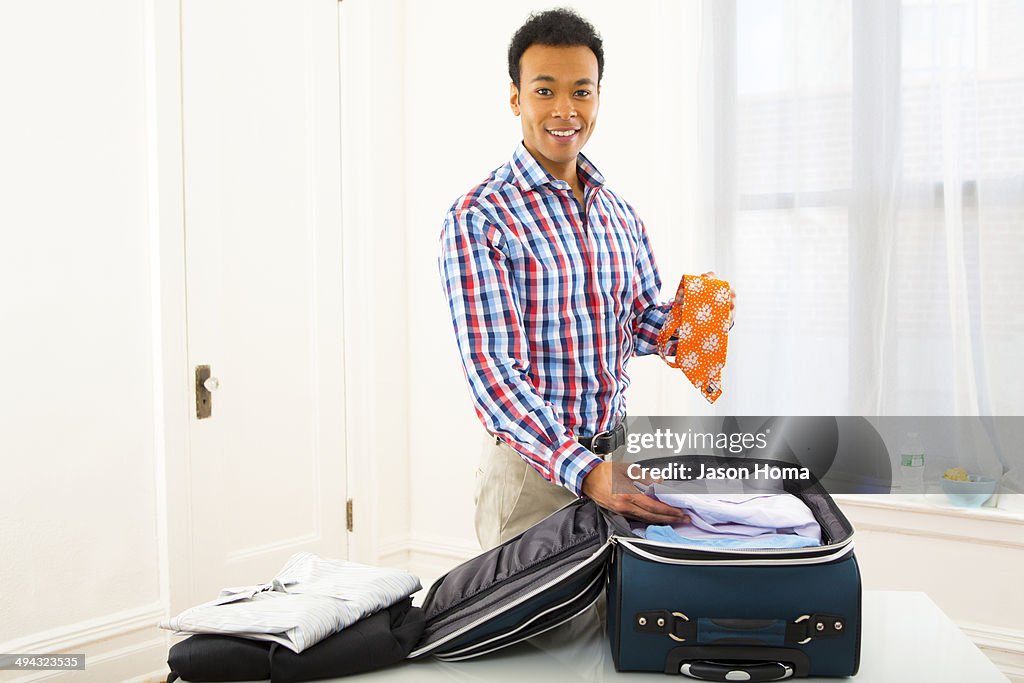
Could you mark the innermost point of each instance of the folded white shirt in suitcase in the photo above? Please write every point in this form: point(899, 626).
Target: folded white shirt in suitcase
point(738, 516)
point(309, 599)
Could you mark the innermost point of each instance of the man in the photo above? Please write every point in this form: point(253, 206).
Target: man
point(552, 288)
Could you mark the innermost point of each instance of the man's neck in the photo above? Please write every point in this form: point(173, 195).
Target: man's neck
point(567, 172)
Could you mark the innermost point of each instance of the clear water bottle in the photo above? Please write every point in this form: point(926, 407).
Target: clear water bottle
point(912, 464)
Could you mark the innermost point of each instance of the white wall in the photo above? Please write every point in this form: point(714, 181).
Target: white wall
point(79, 554)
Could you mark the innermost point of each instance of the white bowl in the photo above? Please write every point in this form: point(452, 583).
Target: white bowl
point(969, 494)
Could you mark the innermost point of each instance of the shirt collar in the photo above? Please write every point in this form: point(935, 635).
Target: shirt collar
point(529, 174)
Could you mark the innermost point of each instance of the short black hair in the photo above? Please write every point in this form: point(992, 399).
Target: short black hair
point(558, 28)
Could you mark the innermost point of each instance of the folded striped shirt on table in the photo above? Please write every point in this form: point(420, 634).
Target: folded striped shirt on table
point(309, 599)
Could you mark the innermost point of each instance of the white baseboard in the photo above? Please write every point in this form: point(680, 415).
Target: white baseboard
point(394, 553)
point(427, 555)
point(441, 553)
point(116, 647)
point(1005, 647)
point(119, 664)
point(67, 638)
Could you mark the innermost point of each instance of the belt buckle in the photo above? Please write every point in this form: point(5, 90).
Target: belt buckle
point(599, 437)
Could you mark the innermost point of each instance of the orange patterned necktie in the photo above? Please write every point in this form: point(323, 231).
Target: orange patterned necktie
point(701, 326)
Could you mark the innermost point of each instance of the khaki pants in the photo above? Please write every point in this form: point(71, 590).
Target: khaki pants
point(511, 496)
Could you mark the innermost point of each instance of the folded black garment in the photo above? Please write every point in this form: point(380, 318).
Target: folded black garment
point(376, 641)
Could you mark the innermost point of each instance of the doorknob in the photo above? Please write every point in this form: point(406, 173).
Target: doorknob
point(206, 384)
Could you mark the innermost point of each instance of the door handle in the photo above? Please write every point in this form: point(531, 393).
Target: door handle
point(206, 384)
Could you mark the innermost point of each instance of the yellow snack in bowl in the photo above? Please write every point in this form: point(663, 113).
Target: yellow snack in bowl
point(956, 474)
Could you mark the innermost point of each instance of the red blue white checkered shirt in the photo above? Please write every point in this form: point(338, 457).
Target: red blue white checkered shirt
point(549, 304)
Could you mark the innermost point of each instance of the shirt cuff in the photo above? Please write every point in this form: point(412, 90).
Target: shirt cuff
point(656, 317)
point(662, 313)
point(571, 464)
point(647, 327)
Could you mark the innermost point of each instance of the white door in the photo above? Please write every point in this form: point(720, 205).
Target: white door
point(263, 278)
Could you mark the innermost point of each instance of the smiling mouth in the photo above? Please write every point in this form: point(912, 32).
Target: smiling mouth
point(564, 134)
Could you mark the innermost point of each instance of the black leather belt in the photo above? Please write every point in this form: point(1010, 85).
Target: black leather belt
point(601, 443)
point(604, 443)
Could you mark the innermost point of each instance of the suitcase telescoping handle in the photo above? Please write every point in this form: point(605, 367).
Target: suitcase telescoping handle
point(731, 671)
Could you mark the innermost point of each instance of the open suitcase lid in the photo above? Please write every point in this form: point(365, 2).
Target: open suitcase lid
point(556, 569)
point(543, 577)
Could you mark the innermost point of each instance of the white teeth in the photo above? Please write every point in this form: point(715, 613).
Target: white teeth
point(563, 133)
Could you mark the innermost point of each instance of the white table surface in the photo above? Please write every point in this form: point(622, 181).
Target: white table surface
point(905, 637)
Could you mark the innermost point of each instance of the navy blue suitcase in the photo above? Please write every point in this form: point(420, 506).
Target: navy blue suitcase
point(727, 614)
point(712, 614)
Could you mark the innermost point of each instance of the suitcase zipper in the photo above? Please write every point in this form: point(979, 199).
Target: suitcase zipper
point(809, 553)
point(819, 558)
point(700, 551)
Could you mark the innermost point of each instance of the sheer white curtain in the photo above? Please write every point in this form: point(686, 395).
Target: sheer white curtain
point(867, 159)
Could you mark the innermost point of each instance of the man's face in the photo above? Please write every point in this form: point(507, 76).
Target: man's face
point(557, 102)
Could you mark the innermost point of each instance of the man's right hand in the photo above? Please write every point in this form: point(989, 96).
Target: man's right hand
point(601, 482)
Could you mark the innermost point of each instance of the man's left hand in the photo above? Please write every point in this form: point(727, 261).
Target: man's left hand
point(732, 299)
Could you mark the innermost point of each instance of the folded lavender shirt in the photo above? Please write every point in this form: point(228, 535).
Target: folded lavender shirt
point(735, 520)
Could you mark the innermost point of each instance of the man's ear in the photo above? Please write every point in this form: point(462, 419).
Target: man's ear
point(513, 98)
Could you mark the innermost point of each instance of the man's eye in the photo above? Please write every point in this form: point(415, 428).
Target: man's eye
point(582, 93)
point(544, 91)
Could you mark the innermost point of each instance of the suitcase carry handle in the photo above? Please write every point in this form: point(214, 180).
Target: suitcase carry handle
point(737, 662)
point(724, 671)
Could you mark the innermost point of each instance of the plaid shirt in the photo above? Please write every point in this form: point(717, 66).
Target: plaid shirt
point(549, 303)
